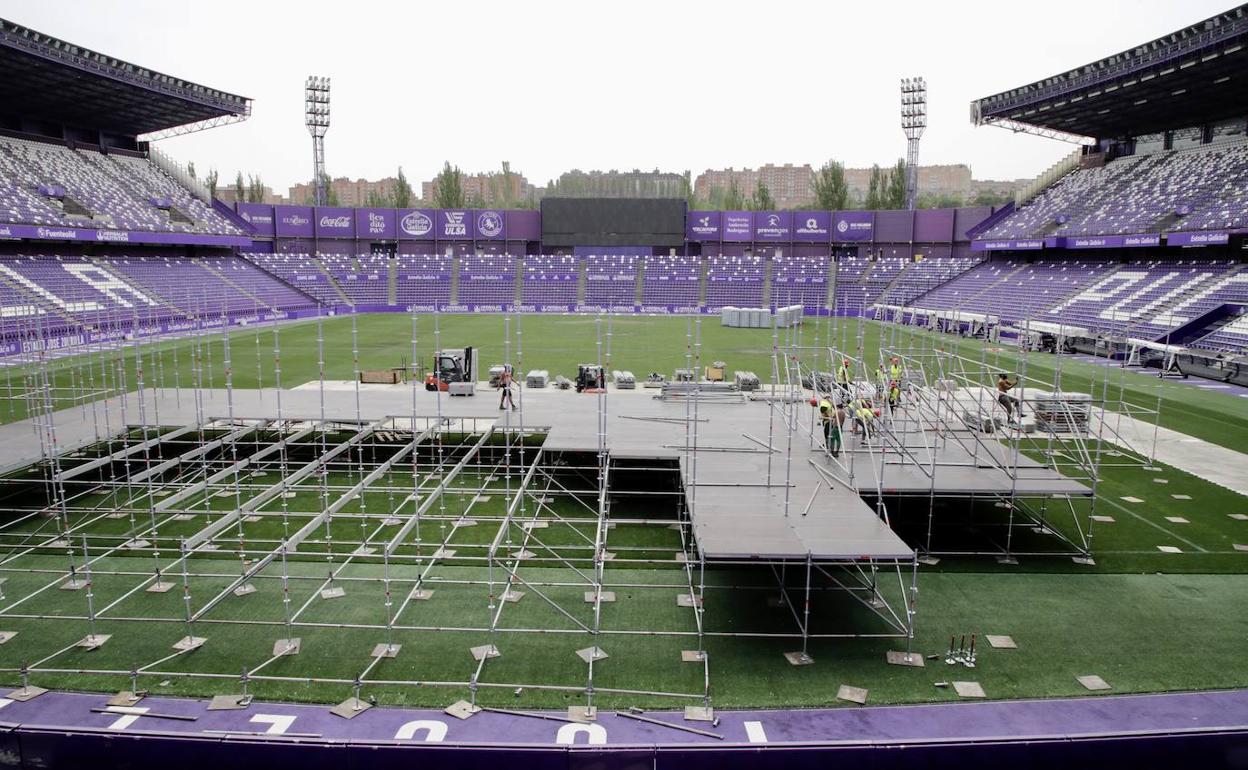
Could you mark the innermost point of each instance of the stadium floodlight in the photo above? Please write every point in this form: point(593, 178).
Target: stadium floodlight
point(316, 118)
point(913, 121)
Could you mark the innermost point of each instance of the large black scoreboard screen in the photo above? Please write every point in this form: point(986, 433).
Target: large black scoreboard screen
point(613, 222)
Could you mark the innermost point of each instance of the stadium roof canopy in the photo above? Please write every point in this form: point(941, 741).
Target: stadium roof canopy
point(1194, 76)
point(51, 80)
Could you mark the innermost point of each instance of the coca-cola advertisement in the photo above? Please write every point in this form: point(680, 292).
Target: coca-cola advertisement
point(335, 222)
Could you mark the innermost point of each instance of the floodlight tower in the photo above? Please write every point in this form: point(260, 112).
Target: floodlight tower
point(316, 118)
point(913, 121)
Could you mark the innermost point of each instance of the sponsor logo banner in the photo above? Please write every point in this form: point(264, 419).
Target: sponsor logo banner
point(119, 236)
point(1198, 239)
point(335, 223)
point(453, 224)
point(293, 221)
point(812, 226)
point(737, 226)
point(488, 224)
point(853, 226)
point(375, 223)
point(773, 225)
point(416, 224)
point(702, 226)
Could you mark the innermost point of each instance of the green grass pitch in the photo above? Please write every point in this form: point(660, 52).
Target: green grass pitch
point(1142, 619)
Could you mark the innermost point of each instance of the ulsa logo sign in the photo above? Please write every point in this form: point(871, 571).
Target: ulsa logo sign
point(453, 223)
point(416, 223)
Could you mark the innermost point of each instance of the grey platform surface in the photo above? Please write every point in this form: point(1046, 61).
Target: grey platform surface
point(736, 514)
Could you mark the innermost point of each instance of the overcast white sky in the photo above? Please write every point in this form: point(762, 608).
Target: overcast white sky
point(552, 86)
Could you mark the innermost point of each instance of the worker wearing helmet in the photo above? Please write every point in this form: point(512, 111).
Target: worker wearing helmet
point(843, 378)
point(894, 396)
point(832, 420)
point(894, 370)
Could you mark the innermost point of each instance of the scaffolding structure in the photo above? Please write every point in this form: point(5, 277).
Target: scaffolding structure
point(250, 498)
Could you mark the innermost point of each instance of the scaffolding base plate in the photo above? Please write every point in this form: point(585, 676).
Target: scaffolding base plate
point(591, 654)
point(799, 658)
point(229, 702)
point(852, 694)
point(188, 643)
point(350, 708)
point(245, 589)
point(484, 652)
point(421, 594)
point(442, 553)
point(364, 550)
point(1010, 560)
point(583, 713)
point(1086, 561)
point(384, 650)
point(93, 641)
point(899, 658)
point(604, 596)
point(23, 694)
point(73, 585)
point(1001, 642)
point(699, 714)
point(523, 553)
point(930, 561)
point(969, 690)
point(160, 587)
point(512, 596)
point(6, 636)
point(1094, 683)
point(692, 656)
point(125, 698)
point(688, 600)
point(252, 519)
point(286, 647)
point(336, 592)
point(461, 709)
point(183, 516)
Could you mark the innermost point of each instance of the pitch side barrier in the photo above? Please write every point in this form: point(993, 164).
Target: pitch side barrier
point(64, 747)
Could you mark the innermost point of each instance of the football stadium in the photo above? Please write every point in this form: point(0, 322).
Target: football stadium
point(615, 482)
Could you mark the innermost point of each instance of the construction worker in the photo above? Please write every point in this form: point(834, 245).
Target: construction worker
point(504, 385)
point(842, 379)
point(864, 417)
point(895, 371)
point(831, 426)
point(894, 396)
point(881, 381)
point(1010, 403)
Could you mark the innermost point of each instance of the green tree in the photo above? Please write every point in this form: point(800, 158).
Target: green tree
point(211, 182)
point(734, 199)
point(240, 191)
point(331, 195)
point(895, 191)
point(448, 192)
point(475, 201)
point(686, 185)
point(942, 200)
point(761, 199)
point(401, 196)
point(875, 189)
point(375, 200)
point(190, 169)
point(255, 189)
point(831, 189)
point(991, 198)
